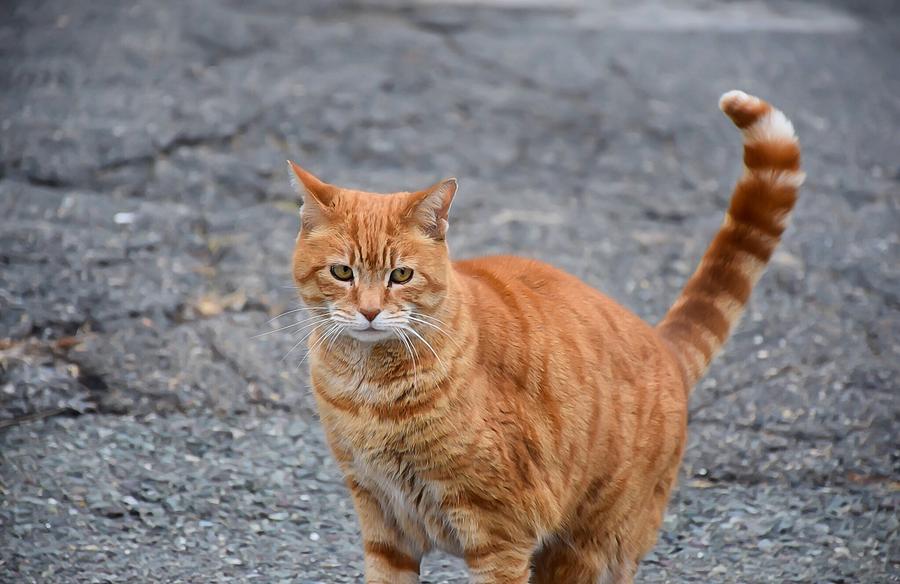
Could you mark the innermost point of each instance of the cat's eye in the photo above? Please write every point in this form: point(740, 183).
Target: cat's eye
point(342, 273)
point(401, 275)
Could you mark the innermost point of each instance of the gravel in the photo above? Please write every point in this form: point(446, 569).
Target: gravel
point(146, 227)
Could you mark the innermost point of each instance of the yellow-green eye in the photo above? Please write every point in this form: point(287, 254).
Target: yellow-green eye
point(401, 275)
point(342, 273)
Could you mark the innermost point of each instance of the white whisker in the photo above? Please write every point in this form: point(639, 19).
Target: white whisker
point(406, 345)
point(427, 344)
point(306, 326)
point(437, 328)
point(416, 360)
point(426, 316)
point(334, 338)
point(301, 341)
point(310, 332)
point(302, 308)
point(316, 318)
point(321, 340)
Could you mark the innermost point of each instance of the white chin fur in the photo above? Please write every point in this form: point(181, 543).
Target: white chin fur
point(370, 335)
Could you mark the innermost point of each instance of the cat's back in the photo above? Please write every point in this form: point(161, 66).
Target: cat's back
point(527, 310)
point(537, 289)
point(506, 271)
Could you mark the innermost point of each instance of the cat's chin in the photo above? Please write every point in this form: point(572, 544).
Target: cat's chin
point(369, 336)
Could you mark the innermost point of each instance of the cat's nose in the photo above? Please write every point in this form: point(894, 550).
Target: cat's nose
point(370, 313)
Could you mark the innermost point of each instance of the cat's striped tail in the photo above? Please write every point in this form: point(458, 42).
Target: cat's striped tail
point(701, 319)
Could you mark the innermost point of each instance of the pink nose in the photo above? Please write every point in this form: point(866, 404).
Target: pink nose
point(370, 313)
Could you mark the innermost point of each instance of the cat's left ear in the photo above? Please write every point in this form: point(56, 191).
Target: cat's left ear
point(431, 208)
point(316, 196)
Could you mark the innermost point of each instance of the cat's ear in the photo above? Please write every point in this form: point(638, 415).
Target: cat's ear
point(431, 208)
point(316, 197)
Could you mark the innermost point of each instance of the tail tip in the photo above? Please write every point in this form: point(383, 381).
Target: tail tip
point(735, 98)
point(743, 109)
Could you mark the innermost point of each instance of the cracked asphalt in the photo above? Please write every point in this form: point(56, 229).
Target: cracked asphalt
point(146, 225)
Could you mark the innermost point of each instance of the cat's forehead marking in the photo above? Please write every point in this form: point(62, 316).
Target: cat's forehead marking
point(373, 224)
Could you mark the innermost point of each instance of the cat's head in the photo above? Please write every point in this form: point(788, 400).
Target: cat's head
point(368, 262)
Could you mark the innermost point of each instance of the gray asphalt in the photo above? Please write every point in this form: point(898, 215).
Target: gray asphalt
point(146, 225)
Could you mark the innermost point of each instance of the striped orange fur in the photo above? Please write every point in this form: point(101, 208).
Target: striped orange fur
point(498, 408)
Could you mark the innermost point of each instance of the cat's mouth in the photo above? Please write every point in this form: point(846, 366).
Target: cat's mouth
point(370, 335)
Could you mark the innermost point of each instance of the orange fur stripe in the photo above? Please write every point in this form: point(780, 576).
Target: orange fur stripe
point(703, 311)
point(774, 155)
point(767, 217)
point(392, 556)
point(725, 277)
point(476, 555)
point(735, 238)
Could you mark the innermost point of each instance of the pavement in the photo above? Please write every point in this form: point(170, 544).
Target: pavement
point(146, 225)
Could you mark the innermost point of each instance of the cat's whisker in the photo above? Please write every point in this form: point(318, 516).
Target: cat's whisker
point(427, 317)
point(415, 358)
point(316, 318)
point(305, 327)
point(427, 344)
point(294, 310)
point(325, 336)
point(301, 341)
point(437, 328)
point(406, 345)
point(291, 350)
point(425, 322)
point(346, 316)
point(299, 330)
point(309, 329)
point(309, 350)
point(334, 338)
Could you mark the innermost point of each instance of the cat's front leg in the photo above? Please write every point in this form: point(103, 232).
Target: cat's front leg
point(386, 563)
point(390, 558)
point(500, 563)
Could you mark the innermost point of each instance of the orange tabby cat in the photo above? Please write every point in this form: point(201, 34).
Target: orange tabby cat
point(498, 408)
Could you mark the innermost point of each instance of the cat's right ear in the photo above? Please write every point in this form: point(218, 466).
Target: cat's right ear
point(431, 208)
point(316, 197)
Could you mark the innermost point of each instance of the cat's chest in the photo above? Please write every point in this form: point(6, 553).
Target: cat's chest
point(407, 493)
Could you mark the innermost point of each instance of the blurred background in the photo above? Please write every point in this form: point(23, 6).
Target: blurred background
point(146, 226)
